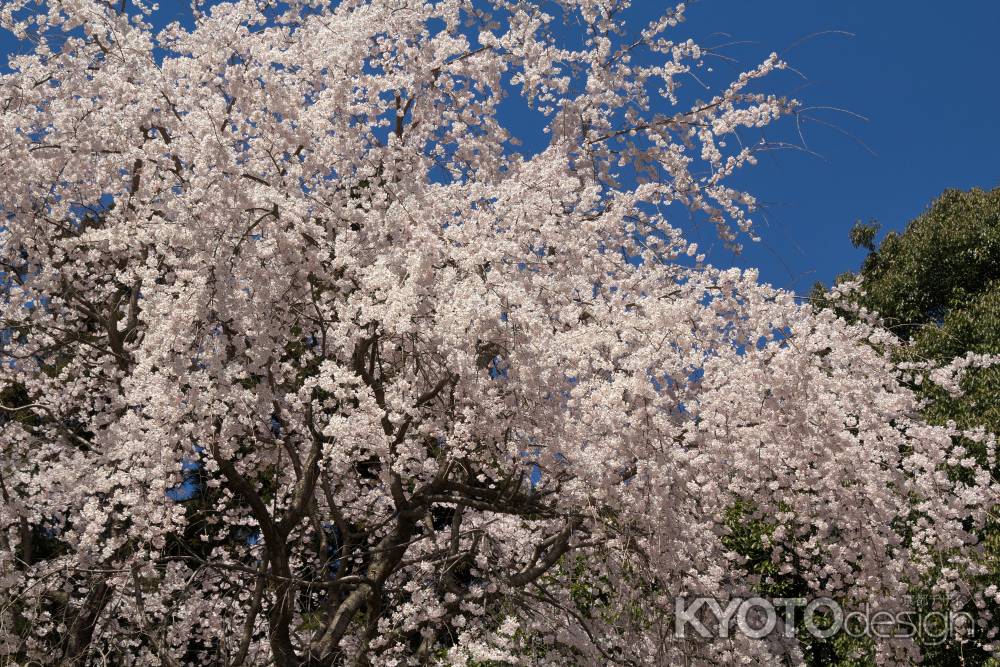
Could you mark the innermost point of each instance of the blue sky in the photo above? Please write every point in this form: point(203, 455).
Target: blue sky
point(922, 73)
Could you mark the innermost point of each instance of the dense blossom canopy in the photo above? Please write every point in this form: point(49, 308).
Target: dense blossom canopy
point(436, 397)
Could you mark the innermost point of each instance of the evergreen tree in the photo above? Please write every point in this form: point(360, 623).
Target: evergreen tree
point(937, 284)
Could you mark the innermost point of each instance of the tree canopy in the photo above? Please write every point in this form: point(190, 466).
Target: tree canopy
point(437, 398)
point(936, 284)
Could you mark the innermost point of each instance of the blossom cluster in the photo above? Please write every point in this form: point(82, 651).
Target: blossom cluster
point(307, 360)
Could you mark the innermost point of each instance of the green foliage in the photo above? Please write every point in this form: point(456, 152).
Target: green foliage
point(945, 259)
point(863, 235)
point(749, 536)
point(937, 284)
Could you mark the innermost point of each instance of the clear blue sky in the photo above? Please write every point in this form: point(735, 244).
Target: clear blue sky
point(925, 75)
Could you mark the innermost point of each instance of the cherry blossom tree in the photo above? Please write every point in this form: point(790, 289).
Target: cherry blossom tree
point(438, 398)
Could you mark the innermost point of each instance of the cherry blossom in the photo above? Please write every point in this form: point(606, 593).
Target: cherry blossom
point(438, 398)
